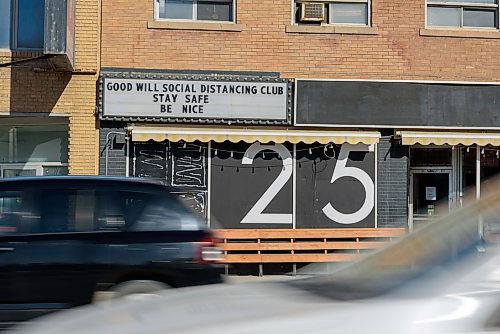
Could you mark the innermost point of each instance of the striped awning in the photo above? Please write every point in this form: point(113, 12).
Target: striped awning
point(449, 138)
point(250, 135)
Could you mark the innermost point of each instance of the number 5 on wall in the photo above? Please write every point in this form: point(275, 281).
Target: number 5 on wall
point(341, 170)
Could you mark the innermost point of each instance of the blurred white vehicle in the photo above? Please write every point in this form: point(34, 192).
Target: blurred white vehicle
point(444, 277)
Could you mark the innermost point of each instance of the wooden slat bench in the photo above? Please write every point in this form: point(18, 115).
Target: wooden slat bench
point(297, 246)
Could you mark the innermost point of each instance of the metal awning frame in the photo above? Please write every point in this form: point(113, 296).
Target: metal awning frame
point(250, 135)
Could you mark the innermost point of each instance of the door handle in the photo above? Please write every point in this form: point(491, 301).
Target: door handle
point(7, 249)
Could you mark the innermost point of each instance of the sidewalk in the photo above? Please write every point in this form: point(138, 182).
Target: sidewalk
point(234, 279)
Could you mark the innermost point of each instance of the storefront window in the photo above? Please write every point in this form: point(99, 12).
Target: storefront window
point(490, 162)
point(21, 144)
point(425, 157)
point(468, 175)
point(55, 170)
point(33, 150)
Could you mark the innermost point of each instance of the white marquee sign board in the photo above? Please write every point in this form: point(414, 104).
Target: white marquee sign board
point(123, 97)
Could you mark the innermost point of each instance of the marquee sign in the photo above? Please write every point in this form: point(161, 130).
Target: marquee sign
point(167, 99)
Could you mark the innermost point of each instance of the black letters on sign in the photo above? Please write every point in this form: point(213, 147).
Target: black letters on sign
point(252, 186)
point(335, 186)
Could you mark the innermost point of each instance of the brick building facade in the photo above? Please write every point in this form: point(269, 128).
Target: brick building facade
point(47, 113)
point(404, 94)
point(397, 46)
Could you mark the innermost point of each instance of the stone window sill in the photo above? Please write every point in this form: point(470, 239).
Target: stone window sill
point(329, 29)
point(461, 33)
point(194, 25)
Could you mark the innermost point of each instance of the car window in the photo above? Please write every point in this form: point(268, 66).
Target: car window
point(86, 210)
point(47, 211)
point(16, 212)
point(66, 210)
point(119, 209)
point(81, 210)
point(166, 213)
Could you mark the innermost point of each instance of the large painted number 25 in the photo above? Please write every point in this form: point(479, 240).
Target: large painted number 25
point(255, 215)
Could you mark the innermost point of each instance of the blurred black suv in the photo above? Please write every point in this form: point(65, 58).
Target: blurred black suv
point(62, 239)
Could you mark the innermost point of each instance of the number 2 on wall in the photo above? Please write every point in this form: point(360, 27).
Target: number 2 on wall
point(255, 215)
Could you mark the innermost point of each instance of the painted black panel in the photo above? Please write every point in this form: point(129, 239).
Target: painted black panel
point(397, 104)
point(183, 165)
point(236, 187)
point(315, 190)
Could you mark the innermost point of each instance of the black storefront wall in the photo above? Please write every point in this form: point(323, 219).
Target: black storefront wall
point(116, 161)
point(349, 201)
point(252, 186)
point(181, 165)
point(255, 192)
point(251, 192)
point(392, 104)
point(392, 182)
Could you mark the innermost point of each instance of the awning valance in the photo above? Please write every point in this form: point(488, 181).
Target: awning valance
point(249, 135)
point(449, 138)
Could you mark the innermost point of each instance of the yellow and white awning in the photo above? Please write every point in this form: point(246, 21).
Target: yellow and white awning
point(449, 138)
point(250, 135)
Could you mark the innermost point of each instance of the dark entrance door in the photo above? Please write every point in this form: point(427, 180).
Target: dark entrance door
point(430, 190)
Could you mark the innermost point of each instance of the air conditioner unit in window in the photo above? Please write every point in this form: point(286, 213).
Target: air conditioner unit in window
point(312, 12)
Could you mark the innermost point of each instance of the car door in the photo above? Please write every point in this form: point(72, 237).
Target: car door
point(13, 210)
point(46, 261)
point(58, 252)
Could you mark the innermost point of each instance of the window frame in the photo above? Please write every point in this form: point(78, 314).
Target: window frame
point(329, 18)
point(463, 5)
point(368, 13)
point(194, 13)
point(14, 26)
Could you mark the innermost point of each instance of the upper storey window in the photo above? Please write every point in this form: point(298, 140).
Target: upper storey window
point(462, 14)
point(22, 24)
point(337, 12)
point(195, 10)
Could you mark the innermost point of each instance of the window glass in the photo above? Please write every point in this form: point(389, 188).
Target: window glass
point(350, 13)
point(468, 1)
point(175, 9)
point(479, 18)
point(66, 210)
point(111, 211)
point(443, 16)
point(166, 213)
point(34, 143)
point(55, 170)
point(17, 212)
point(423, 157)
point(15, 172)
point(30, 24)
point(5, 23)
point(214, 11)
point(76, 210)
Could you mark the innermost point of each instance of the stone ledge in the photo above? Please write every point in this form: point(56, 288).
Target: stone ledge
point(460, 33)
point(195, 25)
point(329, 29)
